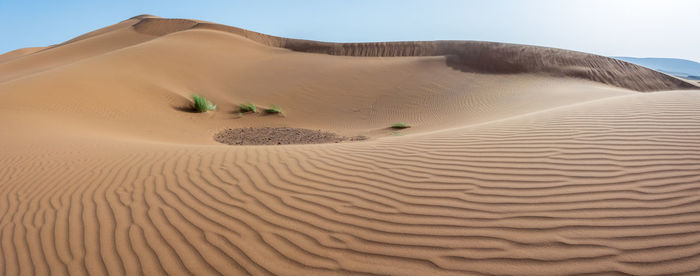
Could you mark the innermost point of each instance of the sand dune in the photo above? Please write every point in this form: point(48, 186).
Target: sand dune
point(521, 159)
point(470, 56)
point(19, 53)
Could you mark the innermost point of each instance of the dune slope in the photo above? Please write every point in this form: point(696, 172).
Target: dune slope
point(521, 159)
point(470, 56)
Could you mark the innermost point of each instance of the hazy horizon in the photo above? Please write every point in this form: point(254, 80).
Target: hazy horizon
point(610, 28)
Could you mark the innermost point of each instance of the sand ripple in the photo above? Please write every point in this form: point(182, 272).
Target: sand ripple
point(605, 187)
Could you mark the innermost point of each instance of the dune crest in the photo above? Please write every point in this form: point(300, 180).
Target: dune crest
point(472, 56)
point(520, 159)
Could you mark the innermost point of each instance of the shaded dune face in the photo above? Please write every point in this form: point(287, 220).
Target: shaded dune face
point(520, 159)
point(501, 58)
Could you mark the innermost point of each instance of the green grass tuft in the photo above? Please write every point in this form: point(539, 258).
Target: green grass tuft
point(249, 107)
point(201, 104)
point(400, 126)
point(273, 110)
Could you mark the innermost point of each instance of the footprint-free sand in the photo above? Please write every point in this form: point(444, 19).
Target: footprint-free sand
point(520, 159)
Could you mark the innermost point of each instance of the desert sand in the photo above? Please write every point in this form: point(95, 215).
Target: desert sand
point(520, 159)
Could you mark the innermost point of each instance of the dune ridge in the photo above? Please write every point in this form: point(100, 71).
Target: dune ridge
point(104, 170)
point(471, 56)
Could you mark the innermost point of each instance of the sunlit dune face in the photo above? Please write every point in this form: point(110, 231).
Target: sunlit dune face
point(160, 146)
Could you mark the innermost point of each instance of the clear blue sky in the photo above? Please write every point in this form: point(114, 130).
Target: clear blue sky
point(641, 28)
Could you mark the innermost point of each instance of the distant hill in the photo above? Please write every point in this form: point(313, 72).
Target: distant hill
point(683, 68)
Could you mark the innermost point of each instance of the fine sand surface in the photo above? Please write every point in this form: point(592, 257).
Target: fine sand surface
point(521, 159)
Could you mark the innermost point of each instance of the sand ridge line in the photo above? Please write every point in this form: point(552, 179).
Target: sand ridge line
point(101, 174)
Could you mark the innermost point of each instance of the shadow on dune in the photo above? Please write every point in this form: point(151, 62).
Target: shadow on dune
point(187, 109)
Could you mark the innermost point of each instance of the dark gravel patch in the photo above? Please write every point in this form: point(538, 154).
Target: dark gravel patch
point(279, 136)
